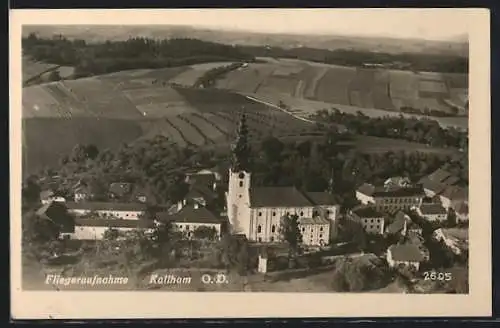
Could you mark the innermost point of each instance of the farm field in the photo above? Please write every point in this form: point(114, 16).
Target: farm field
point(189, 76)
point(31, 69)
point(370, 88)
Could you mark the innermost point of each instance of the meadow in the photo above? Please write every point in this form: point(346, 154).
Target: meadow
point(109, 110)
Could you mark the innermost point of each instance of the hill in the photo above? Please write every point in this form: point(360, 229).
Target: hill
point(330, 42)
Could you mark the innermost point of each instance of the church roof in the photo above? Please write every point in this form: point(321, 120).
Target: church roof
point(321, 198)
point(278, 197)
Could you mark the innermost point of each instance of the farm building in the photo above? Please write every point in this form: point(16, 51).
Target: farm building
point(370, 219)
point(192, 217)
point(432, 212)
point(405, 255)
point(125, 211)
point(95, 228)
point(390, 198)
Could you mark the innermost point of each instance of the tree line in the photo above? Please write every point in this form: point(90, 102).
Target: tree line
point(134, 53)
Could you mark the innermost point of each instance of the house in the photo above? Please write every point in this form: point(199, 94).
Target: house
point(436, 182)
point(405, 255)
point(462, 212)
point(95, 228)
point(454, 195)
point(370, 219)
point(452, 243)
point(119, 189)
point(432, 212)
point(390, 198)
point(82, 193)
point(47, 196)
point(205, 178)
point(109, 210)
point(315, 231)
point(200, 194)
point(397, 182)
point(192, 217)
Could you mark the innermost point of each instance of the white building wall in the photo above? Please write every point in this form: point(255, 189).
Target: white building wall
point(238, 201)
point(364, 199)
point(190, 227)
point(125, 215)
point(315, 234)
point(373, 225)
point(93, 233)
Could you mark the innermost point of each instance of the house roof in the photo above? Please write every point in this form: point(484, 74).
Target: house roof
point(43, 210)
point(406, 252)
point(395, 191)
point(106, 206)
point(456, 193)
point(363, 211)
point(278, 197)
point(462, 208)
point(120, 188)
point(321, 198)
point(432, 209)
point(199, 191)
point(112, 223)
point(439, 175)
point(313, 220)
point(190, 214)
point(367, 189)
point(397, 181)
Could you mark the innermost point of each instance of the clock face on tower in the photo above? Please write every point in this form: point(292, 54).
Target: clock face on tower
point(242, 175)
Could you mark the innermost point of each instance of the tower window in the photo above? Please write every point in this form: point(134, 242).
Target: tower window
point(259, 229)
point(272, 239)
point(301, 213)
point(321, 229)
point(260, 240)
point(273, 228)
point(241, 183)
point(274, 213)
point(242, 175)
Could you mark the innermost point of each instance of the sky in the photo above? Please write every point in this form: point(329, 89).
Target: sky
point(431, 24)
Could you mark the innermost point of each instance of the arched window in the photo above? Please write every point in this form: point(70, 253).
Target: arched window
point(241, 183)
point(241, 175)
point(274, 213)
point(272, 239)
point(259, 229)
point(321, 229)
point(273, 228)
point(260, 213)
point(301, 213)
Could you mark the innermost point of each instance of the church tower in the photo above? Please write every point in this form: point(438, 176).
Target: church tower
point(238, 207)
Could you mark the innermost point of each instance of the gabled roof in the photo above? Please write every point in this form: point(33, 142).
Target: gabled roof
point(321, 198)
point(363, 211)
point(366, 189)
point(456, 193)
point(190, 214)
point(203, 179)
point(399, 223)
point(432, 209)
point(106, 206)
point(395, 191)
point(439, 175)
point(406, 252)
point(278, 197)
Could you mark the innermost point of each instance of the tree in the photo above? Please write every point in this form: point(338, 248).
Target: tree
point(234, 253)
point(54, 76)
point(290, 233)
point(204, 232)
point(31, 191)
point(111, 234)
point(451, 218)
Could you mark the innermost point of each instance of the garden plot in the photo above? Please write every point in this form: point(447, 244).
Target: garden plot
point(333, 87)
point(153, 128)
point(153, 95)
point(38, 102)
point(207, 129)
point(381, 91)
point(190, 134)
point(430, 89)
point(101, 99)
point(189, 76)
point(279, 85)
point(457, 81)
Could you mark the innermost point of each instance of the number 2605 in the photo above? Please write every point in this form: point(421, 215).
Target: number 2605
point(437, 275)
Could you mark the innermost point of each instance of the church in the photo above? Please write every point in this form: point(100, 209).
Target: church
point(257, 212)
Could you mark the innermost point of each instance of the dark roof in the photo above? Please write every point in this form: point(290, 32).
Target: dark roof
point(190, 214)
point(43, 210)
point(278, 197)
point(451, 180)
point(431, 209)
point(113, 223)
point(106, 206)
point(406, 252)
point(363, 211)
point(120, 188)
point(321, 198)
point(313, 220)
point(367, 189)
point(434, 186)
point(439, 175)
point(456, 193)
point(199, 191)
point(395, 191)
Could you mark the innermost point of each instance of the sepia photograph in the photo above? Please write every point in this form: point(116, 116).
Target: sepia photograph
point(239, 151)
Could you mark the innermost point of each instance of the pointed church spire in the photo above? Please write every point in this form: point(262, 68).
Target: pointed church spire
point(240, 148)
